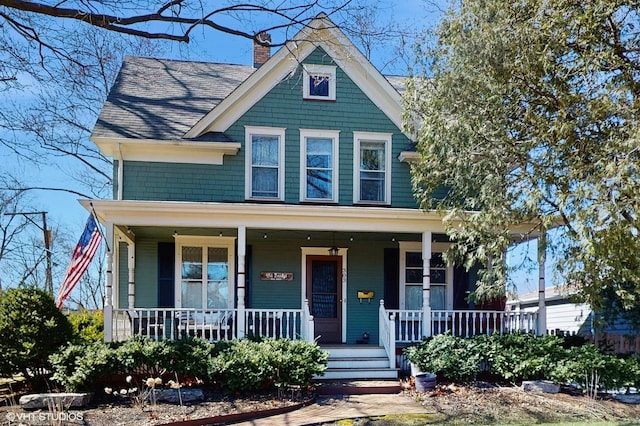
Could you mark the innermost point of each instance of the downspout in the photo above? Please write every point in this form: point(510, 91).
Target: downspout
point(542, 309)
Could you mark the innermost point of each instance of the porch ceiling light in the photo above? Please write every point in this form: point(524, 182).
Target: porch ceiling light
point(334, 250)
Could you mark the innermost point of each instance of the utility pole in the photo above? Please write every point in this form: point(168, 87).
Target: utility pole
point(47, 243)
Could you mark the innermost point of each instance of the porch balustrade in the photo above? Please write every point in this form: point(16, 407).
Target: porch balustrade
point(216, 324)
point(409, 324)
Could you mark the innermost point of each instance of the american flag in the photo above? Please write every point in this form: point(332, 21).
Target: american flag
point(82, 256)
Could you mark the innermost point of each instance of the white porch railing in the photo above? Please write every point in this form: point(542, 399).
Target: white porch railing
point(211, 324)
point(409, 323)
point(387, 333)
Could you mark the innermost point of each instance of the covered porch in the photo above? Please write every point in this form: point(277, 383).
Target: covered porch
point(385, 265)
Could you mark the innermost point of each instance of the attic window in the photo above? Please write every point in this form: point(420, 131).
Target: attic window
point(319, 82)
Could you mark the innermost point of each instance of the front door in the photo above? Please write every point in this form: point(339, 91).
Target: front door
point(324, 291)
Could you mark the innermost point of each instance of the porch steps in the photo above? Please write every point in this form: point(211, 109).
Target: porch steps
point(357, 362)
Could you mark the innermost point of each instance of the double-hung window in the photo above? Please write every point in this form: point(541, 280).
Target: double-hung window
point(264, 159)
point(372, 168)
point(319, 165)
point(411, 271)
point(206, 272)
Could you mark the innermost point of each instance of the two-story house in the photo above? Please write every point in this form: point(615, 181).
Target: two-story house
point(273, 200)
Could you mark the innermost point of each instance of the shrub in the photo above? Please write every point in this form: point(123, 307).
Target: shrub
point(451, 358)
point(31, 329)
point(87, 326)
point(249, 365)
point(78, 366)
point(296, 361)
point(523, 356)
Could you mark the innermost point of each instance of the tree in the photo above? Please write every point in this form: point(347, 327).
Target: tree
point(529, 112)
point(31, 329)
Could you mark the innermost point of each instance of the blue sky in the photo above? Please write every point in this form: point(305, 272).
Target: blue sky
point(209, 45)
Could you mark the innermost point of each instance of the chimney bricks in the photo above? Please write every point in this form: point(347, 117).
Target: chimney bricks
point(261, 54)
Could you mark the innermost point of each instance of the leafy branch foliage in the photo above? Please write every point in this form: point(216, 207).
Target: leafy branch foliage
point(528, 112)
point(233, 366)
point(517, 357)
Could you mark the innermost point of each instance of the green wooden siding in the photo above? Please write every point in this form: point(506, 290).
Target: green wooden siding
point(282, 256)
point(146, 273)
point(282, 107)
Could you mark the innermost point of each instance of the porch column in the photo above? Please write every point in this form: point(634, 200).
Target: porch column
point(242, 252)
point(131, 263)
point(426, 283)
point(108, 287)
point(542, 309)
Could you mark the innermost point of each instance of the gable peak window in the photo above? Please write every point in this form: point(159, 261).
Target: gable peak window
point(319, 82)
point(264, 163)
point(372, 168)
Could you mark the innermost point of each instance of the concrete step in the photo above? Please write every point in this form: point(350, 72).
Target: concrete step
point(358, 387)
point(358, 362)
point(364, 351)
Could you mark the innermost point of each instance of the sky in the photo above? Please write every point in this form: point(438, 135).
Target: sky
point(208, 45)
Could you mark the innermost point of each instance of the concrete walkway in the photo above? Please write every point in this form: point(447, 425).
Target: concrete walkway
point(331, 408)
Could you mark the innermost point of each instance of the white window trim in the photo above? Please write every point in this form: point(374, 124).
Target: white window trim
point(251, 131)
point(375, 137)
point(324, 134)
point(416, 246)
point(204, 242)
point(319, 69)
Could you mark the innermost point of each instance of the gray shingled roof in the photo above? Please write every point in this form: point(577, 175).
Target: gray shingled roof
point(162, 98)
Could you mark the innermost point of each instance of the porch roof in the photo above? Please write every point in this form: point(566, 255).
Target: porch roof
point(269, 216)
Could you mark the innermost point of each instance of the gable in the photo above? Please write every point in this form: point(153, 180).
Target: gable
point(284, 107)
point(320, 33)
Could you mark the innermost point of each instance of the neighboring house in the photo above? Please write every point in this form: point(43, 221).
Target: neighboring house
point(273, 200)
point(563, 315)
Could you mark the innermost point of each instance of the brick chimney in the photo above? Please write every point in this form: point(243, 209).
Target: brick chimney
point(261, 54)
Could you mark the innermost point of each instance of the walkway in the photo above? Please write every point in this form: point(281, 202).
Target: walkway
point(331, 408)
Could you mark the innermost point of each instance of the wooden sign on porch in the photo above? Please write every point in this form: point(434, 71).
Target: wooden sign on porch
point(276, 276)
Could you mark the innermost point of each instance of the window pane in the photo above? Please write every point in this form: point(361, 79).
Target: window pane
point(438, 297)
point(217, 294)
point(438, 275)
point(319, 85)
point(437, 261)
point(218, 278)
point(413, 276)
point(192, 263)
point(191, 294)
point(413, 297)
point(217, 268)
point(371, 190)
point(264, 151)
point(319, 152)
point(319, 184)
point(264, 182)
point(372, 156)
point(413, 259)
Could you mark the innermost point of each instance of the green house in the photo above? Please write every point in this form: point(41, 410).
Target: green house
point(275, 200)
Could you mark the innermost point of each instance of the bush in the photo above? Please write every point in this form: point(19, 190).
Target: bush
point(523, 356)
point(451, 358)
point(78, 366)
point(249, 365)
point(31, 329)
point(236, 366)
point(87, 326)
